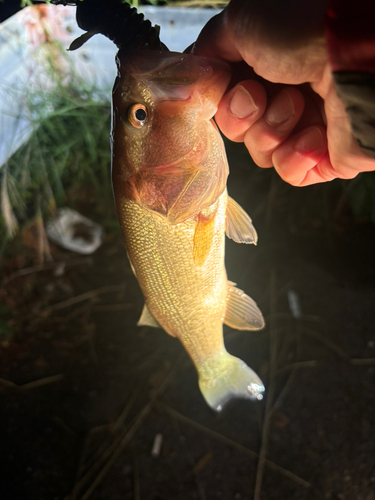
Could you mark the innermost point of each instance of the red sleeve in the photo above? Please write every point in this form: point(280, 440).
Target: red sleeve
point(350, 35)
point(350, 38)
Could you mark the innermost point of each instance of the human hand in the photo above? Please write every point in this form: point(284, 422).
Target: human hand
point(301, 127)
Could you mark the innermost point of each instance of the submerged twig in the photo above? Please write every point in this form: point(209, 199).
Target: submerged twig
point(298, 365)
point(362, 361)
point(137, 485)
point(324, 340)
point(281, 315)
point(293, 371)
point(64, 426)
point(128, 436)
point(232, 444)
point(125, 412)
point(44, 267)
point(78, 311)
point(82, 297)
point(86, 445)
point(104, 452)
point(114, 450)
point(198, 483)
point(270, 393)
point(112, 307)
point(314, 363)
point(32, 385)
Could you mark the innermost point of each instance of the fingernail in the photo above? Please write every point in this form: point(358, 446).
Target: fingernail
point(242, 104)
point(310, 141)
point(281, 109)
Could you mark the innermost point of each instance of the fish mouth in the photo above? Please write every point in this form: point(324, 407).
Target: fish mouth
point(175, 76)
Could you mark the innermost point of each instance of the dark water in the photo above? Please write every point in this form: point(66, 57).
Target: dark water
point(101, 417)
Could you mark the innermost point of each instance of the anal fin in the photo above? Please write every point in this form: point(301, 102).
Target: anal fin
point(147, 318)
point(238, 225)
point(241, 312)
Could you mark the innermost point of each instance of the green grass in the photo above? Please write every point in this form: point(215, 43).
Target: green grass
point(68, 150)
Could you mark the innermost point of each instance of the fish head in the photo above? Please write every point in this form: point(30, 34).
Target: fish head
point(167, 154)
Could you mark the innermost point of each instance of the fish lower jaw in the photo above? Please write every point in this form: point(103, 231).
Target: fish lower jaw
point(231, 379)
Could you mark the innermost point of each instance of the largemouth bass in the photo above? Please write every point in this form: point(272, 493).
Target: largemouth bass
point(169, 172)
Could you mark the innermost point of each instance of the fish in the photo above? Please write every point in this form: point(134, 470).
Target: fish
point(169, 173)
point(169, 176)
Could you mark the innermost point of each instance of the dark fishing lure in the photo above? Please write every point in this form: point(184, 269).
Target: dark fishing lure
point(116, 20)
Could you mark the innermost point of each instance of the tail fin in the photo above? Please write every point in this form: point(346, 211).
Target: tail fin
point(231, 379)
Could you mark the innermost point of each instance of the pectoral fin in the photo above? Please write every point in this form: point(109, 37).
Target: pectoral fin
point(203, 238)
point(242, 313)
point(147, 318)
point(238, 225)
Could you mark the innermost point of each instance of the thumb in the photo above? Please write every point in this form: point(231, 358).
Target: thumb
point(216, 40)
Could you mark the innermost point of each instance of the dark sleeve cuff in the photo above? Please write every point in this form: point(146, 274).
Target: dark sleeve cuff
point(357, 90)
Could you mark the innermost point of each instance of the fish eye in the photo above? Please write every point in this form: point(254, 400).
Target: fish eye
point(137, 115)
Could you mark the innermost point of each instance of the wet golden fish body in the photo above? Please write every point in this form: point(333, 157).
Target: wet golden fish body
point(174, 211)
point(186, 299)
